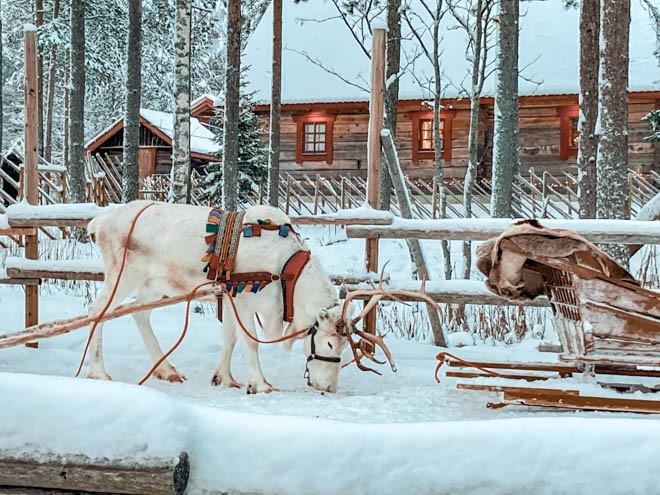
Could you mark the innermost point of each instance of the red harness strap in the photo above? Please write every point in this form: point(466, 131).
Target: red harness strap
point(293, 267)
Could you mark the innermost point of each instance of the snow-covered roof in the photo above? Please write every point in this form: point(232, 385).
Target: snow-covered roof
point(549, 51)
point(201, 139)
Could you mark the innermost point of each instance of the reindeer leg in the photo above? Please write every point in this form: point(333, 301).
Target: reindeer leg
point(143, 321)
point(222, 375)
point(256, 381)
point(96, 366)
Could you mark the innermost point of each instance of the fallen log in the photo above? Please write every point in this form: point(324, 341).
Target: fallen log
point(53, 328)
point(80, 473)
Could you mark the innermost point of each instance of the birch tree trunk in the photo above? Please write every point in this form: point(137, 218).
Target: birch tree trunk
point(130, 171)
point(588, 143)
point(478, 72)
point(180, 174)
point(39, 21)
point(232, 106)
point(50, 103)
point(612, 163)
point(393, 63)
point(1, 86)
point(275, 107)
point(437, 135)
point(77, 104)
point(505, 142)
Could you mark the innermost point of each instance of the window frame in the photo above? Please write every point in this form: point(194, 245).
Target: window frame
point(314, 118)
point(447, 118)
point(566, 114)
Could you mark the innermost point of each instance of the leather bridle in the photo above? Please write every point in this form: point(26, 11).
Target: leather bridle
point(312, 331)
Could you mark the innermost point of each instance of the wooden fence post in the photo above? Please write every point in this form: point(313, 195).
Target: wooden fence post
point(30, 165)
point(376, 115)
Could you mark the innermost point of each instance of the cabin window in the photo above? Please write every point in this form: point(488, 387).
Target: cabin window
point(569, 134)
point(314, 137)
point(423, 140)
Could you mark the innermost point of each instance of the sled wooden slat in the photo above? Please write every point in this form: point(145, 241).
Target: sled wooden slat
point(564, 399)
point(79, 473)
point(508, 376)
point(50, 329)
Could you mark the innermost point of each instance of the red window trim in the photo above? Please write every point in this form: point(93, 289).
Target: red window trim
point(447, 116)
point(565, 116)
point(300, 121)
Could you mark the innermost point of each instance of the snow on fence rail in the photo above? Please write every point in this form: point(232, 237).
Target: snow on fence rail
point(480, 229)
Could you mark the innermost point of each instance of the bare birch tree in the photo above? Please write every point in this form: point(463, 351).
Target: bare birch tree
point(77, 104)
point(505, 141)
point(180, 175)
point(130, 170)
point(421, 26)
point(1, 88)
point(474, 18)
point(392, 68)
point(588, 143)
point(275, 107)
point(613, 191)
point(39, 21)
point(232, 106)
point(50, 101)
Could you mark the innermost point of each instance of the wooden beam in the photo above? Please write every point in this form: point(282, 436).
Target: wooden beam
point(157, 476)
point(19, 231)
point(50, 329)
point(481, 229)
point(30, 274)
point(20, 281)
point(448, 292)
point(49, 222)
point(338, 220)
point(31, 162)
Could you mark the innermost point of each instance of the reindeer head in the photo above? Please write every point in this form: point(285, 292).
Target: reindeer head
point(323, 345)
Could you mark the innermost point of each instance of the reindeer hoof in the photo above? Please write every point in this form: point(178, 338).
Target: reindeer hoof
point(169, 374)
point(231, 383)
point(99, 376)
point(257, 388)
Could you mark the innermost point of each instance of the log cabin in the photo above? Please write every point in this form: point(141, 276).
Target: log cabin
point(325, 91)
point(156, 131)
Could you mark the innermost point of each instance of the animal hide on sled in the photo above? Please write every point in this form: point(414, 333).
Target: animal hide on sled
point(506, 261)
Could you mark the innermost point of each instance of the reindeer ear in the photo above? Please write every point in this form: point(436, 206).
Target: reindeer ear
point(324, 315)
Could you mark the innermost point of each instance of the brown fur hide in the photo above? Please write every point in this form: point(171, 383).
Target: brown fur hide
point(506, 261)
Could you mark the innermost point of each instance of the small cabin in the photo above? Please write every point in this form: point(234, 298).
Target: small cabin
point(156, 133)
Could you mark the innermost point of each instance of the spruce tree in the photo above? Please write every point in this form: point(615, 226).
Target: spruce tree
point(252, 156)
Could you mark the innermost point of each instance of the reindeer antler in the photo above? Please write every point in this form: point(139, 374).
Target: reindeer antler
point(375, 295)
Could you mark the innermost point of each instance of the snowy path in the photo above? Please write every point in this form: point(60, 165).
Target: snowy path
point(399, 433)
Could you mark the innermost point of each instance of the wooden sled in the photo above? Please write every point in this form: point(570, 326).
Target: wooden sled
point(608, 325)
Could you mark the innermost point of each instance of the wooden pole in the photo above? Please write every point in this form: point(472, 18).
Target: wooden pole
point(376, 116)
point(50, 329)
point(30, 165)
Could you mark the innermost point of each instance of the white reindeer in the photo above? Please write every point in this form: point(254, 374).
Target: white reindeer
point(164, 259)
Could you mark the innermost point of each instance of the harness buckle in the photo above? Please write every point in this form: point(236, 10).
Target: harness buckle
point(274, 277)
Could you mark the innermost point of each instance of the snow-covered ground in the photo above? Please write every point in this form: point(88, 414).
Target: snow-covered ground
point(396, 433)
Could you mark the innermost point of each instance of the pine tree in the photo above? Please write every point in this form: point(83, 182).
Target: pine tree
point(653, 118)
point(252, 156)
